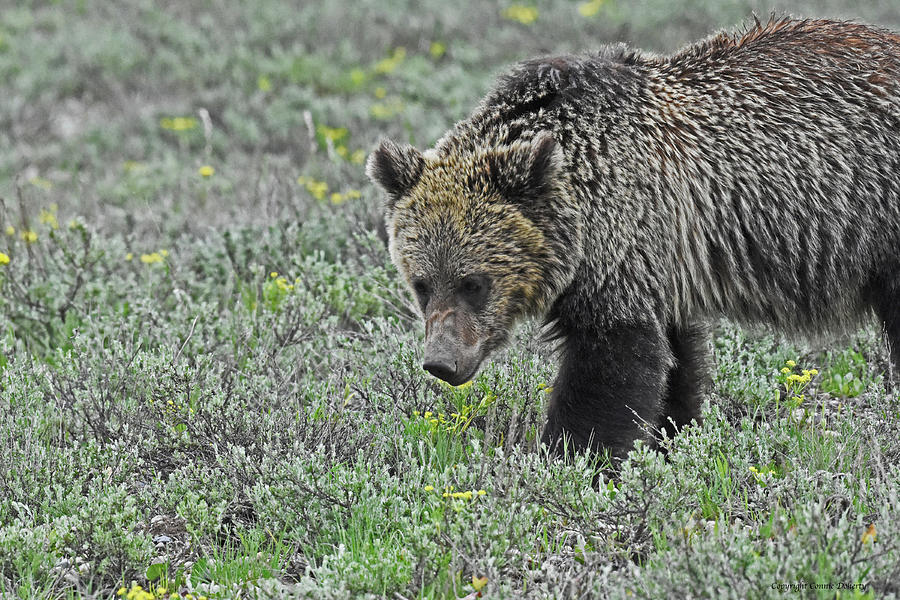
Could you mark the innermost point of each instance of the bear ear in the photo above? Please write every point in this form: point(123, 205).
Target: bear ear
point(527, 169)
point(396, 168)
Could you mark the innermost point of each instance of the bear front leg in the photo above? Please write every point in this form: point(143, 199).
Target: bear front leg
point(610, 385)
point(688, 379)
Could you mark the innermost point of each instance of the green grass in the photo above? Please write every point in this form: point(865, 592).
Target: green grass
point(173, 415)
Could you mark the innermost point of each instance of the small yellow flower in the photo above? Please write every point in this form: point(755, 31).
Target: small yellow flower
point(121, 591)
point(335, 134)
point(478, 583)
point(437, 49)
point(264, 83)
point(48, 217)
point(29, 236)
point(149, 259)
point(813, 372)
point(390, 64)
point(4, 258)
point(357, 77)
point(380, 92)
point(10, 230)
point(429, 488)
point(273, 274)
point(40, 182)
point(481, 492)
point(526, 15)
point(785, 370)
point(352, 194)
point(164, 253)
point(791, 364)
point(178, 123)
point(318, 189)
point(129, 256)
point(591, 8)
point(206, 171)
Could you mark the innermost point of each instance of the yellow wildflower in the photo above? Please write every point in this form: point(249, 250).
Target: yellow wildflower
point(478, 583)
point(526, 15)
point(273, 274)
point(335, 134)
point(387, 109)
point(10, 230)
point(4, 258)
point(591, 8)
point(206, 171)
point(358, 157)
point(149, 259)
point(318, 189)
point(390, 64)
point(48, 217)
point(283, 285)
point(178, 123)
point(429, 488)
point(437, 49)
point(785, 370)
point(264, 83)
point(121, 591)
point(40, 182)
point(337, 198)
point(791, 364)
point(357, 77)
point(129, 256)
point(29, 236)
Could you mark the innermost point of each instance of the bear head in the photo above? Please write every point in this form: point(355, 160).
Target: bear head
point(483, 237)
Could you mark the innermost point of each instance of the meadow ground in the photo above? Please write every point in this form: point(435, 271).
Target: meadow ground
point(209, 372)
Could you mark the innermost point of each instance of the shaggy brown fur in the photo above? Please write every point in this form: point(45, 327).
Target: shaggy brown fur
point(629, 198)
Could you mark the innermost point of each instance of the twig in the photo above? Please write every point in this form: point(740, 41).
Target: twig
point(190, 333)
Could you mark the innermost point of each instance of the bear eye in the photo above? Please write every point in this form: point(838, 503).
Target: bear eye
point(422, 291)
point(474, 290)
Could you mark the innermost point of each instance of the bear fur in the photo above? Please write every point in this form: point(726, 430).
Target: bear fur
point(629, 198)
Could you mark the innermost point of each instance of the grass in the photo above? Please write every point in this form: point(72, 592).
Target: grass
point(209, 371)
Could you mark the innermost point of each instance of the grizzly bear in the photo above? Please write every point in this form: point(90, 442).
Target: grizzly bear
point(629, 198)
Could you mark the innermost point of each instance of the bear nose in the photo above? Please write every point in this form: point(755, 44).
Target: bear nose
point(440, 368)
